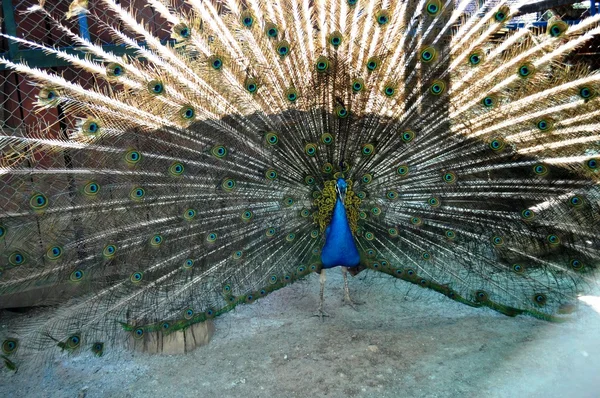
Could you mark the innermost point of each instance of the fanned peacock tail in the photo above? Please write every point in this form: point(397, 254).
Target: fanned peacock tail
point(200, 173)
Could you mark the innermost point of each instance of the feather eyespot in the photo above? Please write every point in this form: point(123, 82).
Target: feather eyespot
point(54, 253)
point(527, 214)
point(335, 39)
point(382, 17)
point(357, 85)
point(437, 87)
point(247, 19)
point(553, 239)
point(133, 157)
point(16, 258)
point(373, 63)
point(271, 30)
point(138, 333)
point(368, 150)
point(389, 90)
point(576, 201)
point(109, 251)
point(449, 177)
point(156, 240)
point(228, 184)
point(540, 299)
point(481, 296)
point(73, 341)
point(408, 135)
point(402, 170)
point(341, 112)
point(497, 144)
point(497, 241)
point(219, 151)
point(557, 28)
point(518, 268)
point(428, 54)
point(247, 215)
point(136, 277)
point(327, 168)
point(433, 7)
point(502, 14)
point(271, 138)
point(310, 149)
point(327, 139)
point(322, 64)
point(137, 193)
point(91, 188)
point(76, 275)
point(189, 214)
point(476, 57)
point(283, 48)
point(115, 70)
point(526, 70)
point(9, 346)
point(187, 112)
point(540, 170)
point(38, 201)
point(271, 174)
point(576, 265)
point(251, 85)
point(155, 87)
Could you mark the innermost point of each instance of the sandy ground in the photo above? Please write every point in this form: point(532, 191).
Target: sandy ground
point(404, 341)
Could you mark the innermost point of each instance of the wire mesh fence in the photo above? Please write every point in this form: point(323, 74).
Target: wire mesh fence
point(18, 94)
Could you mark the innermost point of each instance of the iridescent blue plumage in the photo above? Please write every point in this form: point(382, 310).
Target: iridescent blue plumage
point(340, 248)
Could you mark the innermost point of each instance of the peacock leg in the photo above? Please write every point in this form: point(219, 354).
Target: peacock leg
point(347, 299)
point(320, 313)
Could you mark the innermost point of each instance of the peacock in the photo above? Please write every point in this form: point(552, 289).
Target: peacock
point(259, 141)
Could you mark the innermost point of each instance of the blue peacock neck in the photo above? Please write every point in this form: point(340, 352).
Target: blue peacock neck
point(340, 248)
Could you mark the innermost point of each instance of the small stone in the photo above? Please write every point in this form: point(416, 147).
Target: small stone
point(373, 348)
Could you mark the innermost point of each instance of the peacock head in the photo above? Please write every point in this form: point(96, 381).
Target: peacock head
point(341, 188)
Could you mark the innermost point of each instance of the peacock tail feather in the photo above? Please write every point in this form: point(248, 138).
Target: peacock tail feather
point(200, 173)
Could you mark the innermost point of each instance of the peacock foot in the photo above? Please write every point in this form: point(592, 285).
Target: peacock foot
point(321, 314)
point(348, 301)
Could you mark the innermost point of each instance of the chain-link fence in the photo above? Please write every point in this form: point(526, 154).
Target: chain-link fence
point(18, 95)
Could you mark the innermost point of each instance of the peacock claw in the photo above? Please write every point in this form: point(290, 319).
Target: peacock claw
point(321, 314)
point(348, 301)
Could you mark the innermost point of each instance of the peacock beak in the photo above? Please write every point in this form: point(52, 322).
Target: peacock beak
point(341, 188)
